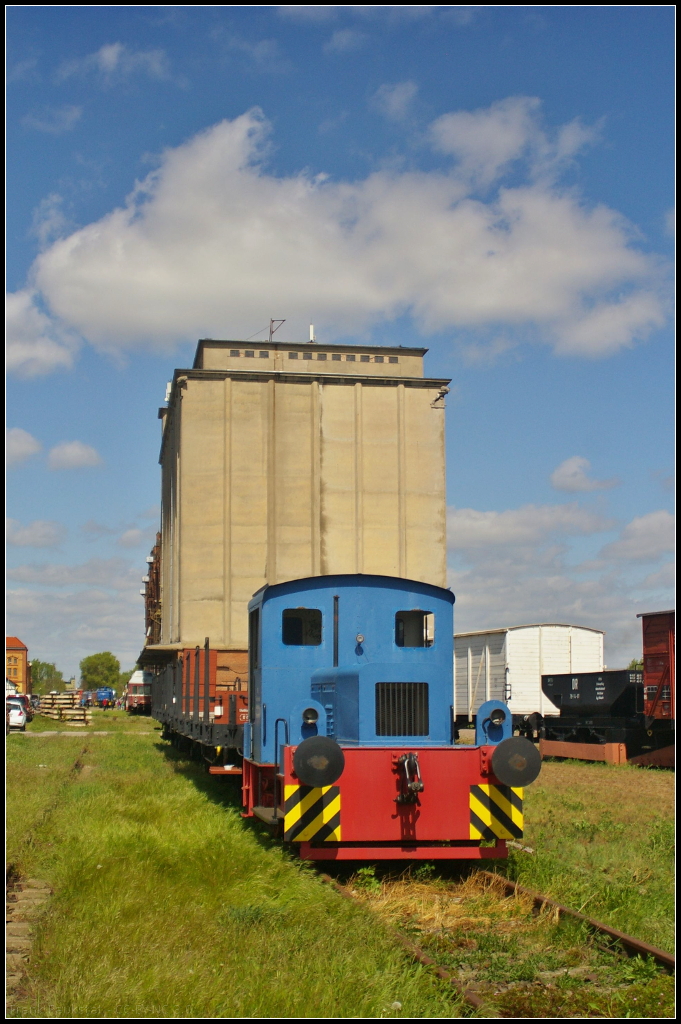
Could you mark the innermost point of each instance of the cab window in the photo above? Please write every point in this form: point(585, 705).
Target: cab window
point(301, 627)
point(414, 629)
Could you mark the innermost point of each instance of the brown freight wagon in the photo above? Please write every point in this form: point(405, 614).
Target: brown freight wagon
point(659, 681)
point(201, 695)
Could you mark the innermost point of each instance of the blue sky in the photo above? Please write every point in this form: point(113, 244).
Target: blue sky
point(495, 183)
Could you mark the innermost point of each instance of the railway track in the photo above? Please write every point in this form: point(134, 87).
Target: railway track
point(422, 923)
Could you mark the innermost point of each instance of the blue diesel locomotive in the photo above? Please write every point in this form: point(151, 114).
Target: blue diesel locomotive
point(349, 751)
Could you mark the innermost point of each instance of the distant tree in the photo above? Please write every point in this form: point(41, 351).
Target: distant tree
point(124, 679)
point(635, 665)
point(45, 677)
point(97, 670)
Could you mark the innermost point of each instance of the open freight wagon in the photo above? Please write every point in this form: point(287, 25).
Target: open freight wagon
point(201, 695)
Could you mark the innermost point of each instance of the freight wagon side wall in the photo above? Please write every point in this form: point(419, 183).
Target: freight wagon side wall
point(523, 648)
point(587, 650)
point(479, 671)
point(180, 694)
point(534, 651)
point(659, 635)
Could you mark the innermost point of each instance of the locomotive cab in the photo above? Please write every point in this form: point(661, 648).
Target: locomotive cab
point(350, 744)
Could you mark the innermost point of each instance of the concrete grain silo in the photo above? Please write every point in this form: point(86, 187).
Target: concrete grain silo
point(281, 461)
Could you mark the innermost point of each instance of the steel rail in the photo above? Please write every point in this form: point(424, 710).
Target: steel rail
point(633, 946)
point(469, 994)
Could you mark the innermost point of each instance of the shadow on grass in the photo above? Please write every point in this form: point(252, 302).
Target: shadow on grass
point(225, 792)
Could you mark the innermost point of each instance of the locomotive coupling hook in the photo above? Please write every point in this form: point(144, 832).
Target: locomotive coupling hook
point(412, 778)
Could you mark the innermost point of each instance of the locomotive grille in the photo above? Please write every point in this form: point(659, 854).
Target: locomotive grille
point(402, 709)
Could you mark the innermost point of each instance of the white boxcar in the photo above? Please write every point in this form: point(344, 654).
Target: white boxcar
point(507, 664)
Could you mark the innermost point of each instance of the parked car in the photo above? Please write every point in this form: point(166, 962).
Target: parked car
point(28, 706)
point(17, 714)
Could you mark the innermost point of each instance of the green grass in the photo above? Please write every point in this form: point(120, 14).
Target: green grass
point(521, 964)
point(37, 772)
point(603, 838)
point(167, 904)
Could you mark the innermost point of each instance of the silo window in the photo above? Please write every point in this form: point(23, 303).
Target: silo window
point(392, 359)
point(264, 355)
point(378, 359)
point(301, 627)
point(234, 352)
point(251, 355)
point(364, 359)
point(336, 357)
point(293, 355)
point(307, 355)
point(414, 629)
point(350, 359)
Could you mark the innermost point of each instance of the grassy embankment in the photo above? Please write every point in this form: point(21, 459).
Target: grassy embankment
point(166, 904)
point(603, 838)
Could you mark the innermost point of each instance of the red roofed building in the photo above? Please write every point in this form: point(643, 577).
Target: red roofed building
point(17, 669)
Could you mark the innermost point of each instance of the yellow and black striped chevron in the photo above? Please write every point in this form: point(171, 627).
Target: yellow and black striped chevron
point(312, 814)
point(496, 812)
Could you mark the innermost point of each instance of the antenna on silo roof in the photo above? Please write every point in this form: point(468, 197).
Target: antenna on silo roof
point(273, 329)
point(312, 337)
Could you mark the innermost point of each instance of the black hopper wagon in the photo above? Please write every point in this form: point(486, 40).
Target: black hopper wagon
point(618, 716)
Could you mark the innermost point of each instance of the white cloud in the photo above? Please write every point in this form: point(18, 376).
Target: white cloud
point(663, 579)
point(345, 40)
point(114, 61)
point(54, 120)
point(41, 533)
point(94, 530)
point(394, 101)
point(36, 343)
point(610, 326)
point(73, 455)
point(114, 573)
point(468, 528)
point(49, 221)
point(20, 445)
point(211, 231)
point(486, 142)
point(513, 567)
point(571, 476)
point(644, 539)
point(65, 626)
point(131, 538)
